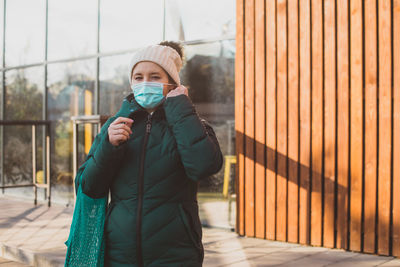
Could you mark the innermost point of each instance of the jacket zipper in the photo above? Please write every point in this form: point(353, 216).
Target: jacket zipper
point(140, 195)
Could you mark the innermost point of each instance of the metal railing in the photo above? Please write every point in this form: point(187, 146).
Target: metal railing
point(98, 120)
point(34, 183)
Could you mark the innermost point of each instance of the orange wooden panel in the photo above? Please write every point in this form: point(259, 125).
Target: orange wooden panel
point(293, 123)
point(317, 131)
point(396, 128)
point(305, 120)
point(329, 123)
point(356, 106)
point(370, 160)
point(281, 181)
point(385, 125)
point(239, 116)
point(249, 116)
point(271, 120)
point(343, 122)
point(260, 119)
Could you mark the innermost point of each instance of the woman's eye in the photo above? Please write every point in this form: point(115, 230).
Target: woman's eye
point(138, 78)
point(155, 77)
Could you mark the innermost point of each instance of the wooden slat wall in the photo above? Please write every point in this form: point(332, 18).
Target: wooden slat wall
point(396, 128)
point(305, 121)
point(385, 125)
point(356, 127)
point(239, 115)
point(316, 121)
point(293, 121)
point(260, 118)
point(342, 171)
point(317, 106)
point(370, 136)
point(249, 72)
point(329, 123)
point(281, 94)
point(271, 119)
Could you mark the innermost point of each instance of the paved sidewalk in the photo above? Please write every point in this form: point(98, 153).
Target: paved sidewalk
point(35, 235)
point(9, 263)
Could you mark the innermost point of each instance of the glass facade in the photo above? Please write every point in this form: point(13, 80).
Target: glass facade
point(63, 58)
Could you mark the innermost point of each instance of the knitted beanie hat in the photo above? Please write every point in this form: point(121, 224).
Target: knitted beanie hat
point(164, 56)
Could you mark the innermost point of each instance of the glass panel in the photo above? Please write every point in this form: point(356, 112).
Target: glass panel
point(24, 94)
point(1, 31)
point(25, 33)
point(193, 20)
point(71, 91)
point(72, 28)
point(24, 101)
point(114, 82)
point(209, 76)
point(1, 128)
point(127, 24)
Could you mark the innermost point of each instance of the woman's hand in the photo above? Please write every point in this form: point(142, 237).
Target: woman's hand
point(180, 90)
point(119, 130)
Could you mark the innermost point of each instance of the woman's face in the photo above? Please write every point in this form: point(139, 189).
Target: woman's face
point(147, 71)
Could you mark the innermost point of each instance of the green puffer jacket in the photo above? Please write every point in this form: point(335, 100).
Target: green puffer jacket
point(152, 219)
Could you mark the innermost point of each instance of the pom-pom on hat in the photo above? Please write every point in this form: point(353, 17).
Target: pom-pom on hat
point(164, 56)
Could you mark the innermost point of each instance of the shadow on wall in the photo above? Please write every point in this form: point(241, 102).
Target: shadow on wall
point(349, 227)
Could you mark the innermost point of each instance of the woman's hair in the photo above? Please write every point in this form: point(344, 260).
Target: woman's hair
point(177, 46)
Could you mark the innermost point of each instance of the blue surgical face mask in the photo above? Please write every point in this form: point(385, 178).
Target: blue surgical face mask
point(148, 94)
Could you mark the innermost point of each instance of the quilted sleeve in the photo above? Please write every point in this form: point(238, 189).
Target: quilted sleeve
point(197, 144)
point(101, 163)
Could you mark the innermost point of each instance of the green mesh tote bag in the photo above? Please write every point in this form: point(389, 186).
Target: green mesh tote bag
point(86, 244)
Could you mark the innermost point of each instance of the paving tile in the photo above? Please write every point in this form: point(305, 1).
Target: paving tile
point(333, 255)
point(307, 249)
point(308, 261)
point(362, 260)
point(9, 263)
point(261, 250)
point(391, 263)
point(265, 261)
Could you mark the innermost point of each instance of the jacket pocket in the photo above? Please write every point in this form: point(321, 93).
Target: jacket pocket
point(189, 214)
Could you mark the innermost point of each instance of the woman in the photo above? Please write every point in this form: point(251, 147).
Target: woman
point(151, 155)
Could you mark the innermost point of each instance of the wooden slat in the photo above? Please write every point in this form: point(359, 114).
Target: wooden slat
point(305, 120)
point(260, 119)
point(329, 123)
point(281, 181)
point(370, 143)
point(385, 125)
point(239, 116)
point(343, 122)
point(317, 113)
point(249, 117)
point(396, 128)
point(271, 120)
point(356, 143)
point(293, 123)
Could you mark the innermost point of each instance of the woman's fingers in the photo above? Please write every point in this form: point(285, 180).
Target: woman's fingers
point(119, 130)
point(121, 137)
point(180, 90)
point(123, 120)
point(121, 126)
